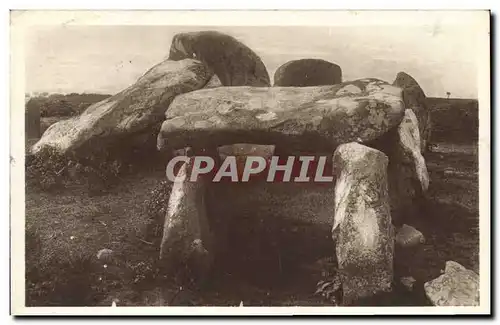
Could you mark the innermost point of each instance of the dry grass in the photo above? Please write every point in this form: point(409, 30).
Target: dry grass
point(66, 230)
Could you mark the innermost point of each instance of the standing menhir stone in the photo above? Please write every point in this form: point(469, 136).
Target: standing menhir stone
point(307, 72)
point(187, 240)
point(362, 230)
point(414, 98)
point(232, 61)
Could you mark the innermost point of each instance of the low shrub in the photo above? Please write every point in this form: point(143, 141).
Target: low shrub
point(44, 170)
point(100, 163)
point(49, 170)
point(63, 105)
point(155, 207)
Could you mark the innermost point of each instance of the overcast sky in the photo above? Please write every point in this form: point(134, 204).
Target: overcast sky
point(106, 59)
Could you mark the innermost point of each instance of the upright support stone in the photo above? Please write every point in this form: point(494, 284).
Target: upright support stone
point(414, 98)
point(407, 170)
point(187, 238)
point(362, 226)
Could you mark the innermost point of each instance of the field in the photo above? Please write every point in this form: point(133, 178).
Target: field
point(272, 261)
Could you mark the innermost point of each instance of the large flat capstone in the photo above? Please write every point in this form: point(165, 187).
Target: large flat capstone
point(355, 111)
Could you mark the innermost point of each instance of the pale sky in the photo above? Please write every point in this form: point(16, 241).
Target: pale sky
point(107, 59)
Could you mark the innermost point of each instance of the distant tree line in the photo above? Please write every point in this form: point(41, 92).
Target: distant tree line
point(454, 120)
point(63, 105)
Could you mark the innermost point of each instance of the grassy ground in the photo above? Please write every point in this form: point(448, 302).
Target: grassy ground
point(66, 230)
point(272, 261)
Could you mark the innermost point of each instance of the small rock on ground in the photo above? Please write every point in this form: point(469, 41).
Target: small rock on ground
point(408, 236)
point(408, 282)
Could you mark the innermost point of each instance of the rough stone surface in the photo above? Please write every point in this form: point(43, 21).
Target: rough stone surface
point(409, 144)
point(187, 240)
point(362, 228)
point(407, 170)
point(105, 255)
point(408, 251)
point(458, 286)
point(314, 116)
point(415, 99)
point(307, 72)
point(408, 236)
point(408, 282)
point(246, 149)
point(46, 122)
point(137, 108)
point(232, 61)
point(242, 150)
point(214, 82)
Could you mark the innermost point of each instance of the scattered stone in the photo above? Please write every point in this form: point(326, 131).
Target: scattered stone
point(408, 250)
point(137, 108)
point(306, 73)
point(408, 282)
point(448, 172)
point(458, 286)
point(232, 61)
point(105, 255)
point(407, 236)
point(187, 240)
point(415, 99)
point(314, 117)
point(362, 228)
point(330, 289)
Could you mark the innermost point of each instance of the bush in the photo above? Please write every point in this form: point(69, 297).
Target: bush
point(44, 170)
point(63, 105)
point(49, 170)
point(155, 207)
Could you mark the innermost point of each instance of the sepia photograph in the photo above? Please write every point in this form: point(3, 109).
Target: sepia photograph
point(252, 162)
